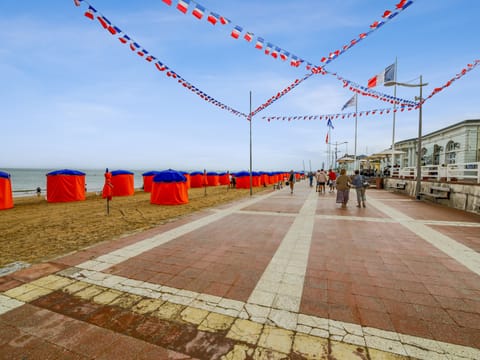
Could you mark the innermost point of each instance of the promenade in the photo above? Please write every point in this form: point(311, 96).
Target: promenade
point(275, 276)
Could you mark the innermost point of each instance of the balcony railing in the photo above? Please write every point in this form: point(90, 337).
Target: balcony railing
point(469, 172)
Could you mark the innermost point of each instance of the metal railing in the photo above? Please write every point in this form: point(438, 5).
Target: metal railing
point(467, 172)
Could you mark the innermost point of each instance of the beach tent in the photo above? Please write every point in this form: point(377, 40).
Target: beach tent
point(122, 182)
point(6, 198)
point(169, 187)
point(272, 178)
point(265, 178)
point(213, 179)
point(197, 179)
point(148, 179)
point(224, 178)
point(243, 180)
point(256, 179)
point(187, 176)
point(65, 186)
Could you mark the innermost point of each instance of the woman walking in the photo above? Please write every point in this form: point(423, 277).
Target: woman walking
point(291, 181)
point(358, 182)
point(343, 188)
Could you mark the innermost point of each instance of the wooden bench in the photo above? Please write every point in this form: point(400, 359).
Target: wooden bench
point(437, 192)
point(399, 185)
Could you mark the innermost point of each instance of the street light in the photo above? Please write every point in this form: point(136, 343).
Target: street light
point(419, 147)
point(336, 151)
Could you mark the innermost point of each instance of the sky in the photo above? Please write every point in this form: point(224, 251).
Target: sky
point(72, 96)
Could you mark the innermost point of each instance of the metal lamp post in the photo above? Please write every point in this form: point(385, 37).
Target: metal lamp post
point(336, 151)
point(419, 141)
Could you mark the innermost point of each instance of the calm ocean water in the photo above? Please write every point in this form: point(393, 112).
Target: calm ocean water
point(25, 181)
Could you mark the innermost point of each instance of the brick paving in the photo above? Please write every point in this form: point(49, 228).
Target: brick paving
point(277, 276)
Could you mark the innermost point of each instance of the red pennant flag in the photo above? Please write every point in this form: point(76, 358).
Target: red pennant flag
point(212, 18)
point(103, 21)
point(90, 13)
point(183, 5)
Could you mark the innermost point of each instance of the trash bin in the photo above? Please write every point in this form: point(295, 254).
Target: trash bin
point(379, 183)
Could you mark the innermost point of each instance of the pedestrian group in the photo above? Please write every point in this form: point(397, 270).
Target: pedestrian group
point(342, 183)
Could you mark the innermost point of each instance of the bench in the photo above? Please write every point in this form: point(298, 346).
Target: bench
point(400, 185)
point(437, 192)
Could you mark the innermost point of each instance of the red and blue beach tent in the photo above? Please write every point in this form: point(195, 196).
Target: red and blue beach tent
point(169, 187)
point(243, 180)
point(122, 181)
point(198, 179)
point(6, 198)
point(224, 178)
point(148, 180)
point(213, 179)
point(187, 176)
point(65, 185)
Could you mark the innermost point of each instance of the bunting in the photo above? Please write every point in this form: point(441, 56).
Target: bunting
point(281, 94)
point(91, 13)
point(330, 117)
point(275, 51)
point(461, 74)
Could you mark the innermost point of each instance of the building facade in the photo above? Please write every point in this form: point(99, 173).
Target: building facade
point(455, 144)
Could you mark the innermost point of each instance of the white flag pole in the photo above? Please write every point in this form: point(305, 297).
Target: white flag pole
point(394, 112)
point(356, 117)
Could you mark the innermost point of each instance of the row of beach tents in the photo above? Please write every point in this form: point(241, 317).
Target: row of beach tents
point(168, 187)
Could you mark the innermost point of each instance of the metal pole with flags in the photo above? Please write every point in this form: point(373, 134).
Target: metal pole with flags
point(329, 142)
point(353, 102)
point(394, 112)
point(355, 146)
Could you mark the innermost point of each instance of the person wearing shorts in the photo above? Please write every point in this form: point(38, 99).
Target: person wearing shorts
point(332, 180)
point(321, 181)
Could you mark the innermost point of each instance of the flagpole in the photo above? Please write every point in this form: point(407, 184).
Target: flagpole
point(356, 118)
point(394, 112)
point(330, 148)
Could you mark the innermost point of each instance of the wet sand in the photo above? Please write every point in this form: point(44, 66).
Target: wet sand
point(35, 230)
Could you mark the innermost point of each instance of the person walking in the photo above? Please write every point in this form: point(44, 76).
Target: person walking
point(358, 182)
point(343, 188)
point(291, 180)
point(332, 178)
point(310, 178)
point(321, 180)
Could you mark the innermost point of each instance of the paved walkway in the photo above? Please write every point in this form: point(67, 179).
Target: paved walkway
point(277, 276)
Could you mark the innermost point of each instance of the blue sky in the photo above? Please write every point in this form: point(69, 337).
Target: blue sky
point(72, 96)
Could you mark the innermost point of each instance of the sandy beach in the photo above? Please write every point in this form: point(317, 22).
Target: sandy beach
point(35, 230)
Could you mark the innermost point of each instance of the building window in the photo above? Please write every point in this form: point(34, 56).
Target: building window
point(437, 150)
point(426, 160)
point(451, 152)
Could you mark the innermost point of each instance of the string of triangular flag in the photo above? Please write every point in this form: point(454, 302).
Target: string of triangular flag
point(351, 102)
point(199, 11)
point(352, 86)
point(92, 14)
point(330, 117)
point(458, 76)
point(236, 31)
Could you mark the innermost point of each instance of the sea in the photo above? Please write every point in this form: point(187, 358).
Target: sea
point(26, 181)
